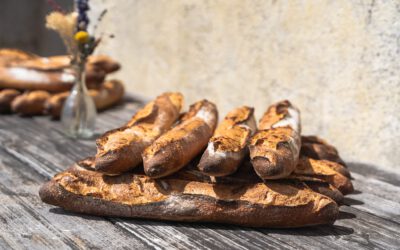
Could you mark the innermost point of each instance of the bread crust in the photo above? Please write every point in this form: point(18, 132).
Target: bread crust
point(228, 146)
point(322, 169)
point(267, 204)
point(23, 71)
point(177, 147)
point(30, 103)
point(275, 148)
point(6, 98)
point(120, 150)
point(317, 148)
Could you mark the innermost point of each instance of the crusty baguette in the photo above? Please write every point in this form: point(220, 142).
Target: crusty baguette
point(274, 149)
point(8, 56)
point(228, 146)
point(24, 72)
point(30, 103)
point(177, 147)
point(317, 148)
point(326, 189)
point(269, 204)
point(120, 150)
point(321, 169)
point(246, 175)
point(109, 94)
point(6, 98)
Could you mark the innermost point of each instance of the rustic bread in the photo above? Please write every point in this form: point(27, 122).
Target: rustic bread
point(317, 148)
point(322, 169)
point(30, 103)
point(246, 175)
point(6, 98)
point(274, 149)
point(228, 146)
point(110, 93)
point(177, 147)
point(269, 204)
point(120, 150)
point(23, 71)
point(8, 56)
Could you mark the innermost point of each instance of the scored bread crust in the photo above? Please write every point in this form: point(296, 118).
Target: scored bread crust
point(177, 147)
point(30, 103)
point(268, 204)
point(110, 93)
point(322, 169)
point(120, 150)
point(317, 148)
point(23, 71)
point(6, 98)
point(275, 148)
point(228, 146)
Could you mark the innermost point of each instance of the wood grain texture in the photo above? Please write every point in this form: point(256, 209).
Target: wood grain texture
point(33, 150)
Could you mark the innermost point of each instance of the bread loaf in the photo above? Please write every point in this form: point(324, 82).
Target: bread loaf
point(6, 98)
point(23, 71)
point(321, 169)
point(30, 103)
point(177, 147)
point(120, 150)
point(109, 94)
point(274, 149)
point(228, 146)
point(269, 204)
point(317, 148)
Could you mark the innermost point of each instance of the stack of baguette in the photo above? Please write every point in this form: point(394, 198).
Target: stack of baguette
point(32, 85)
point(167, 166)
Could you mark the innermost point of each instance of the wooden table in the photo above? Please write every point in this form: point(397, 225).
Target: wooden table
point(32, 150)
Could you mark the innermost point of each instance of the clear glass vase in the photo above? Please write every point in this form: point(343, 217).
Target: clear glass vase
point(79, 111)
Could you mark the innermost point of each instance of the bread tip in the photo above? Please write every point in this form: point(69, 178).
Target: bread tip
point(155, 171)
point(266, 169)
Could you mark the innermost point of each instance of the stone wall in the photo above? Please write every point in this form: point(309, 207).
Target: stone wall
point(337, 60)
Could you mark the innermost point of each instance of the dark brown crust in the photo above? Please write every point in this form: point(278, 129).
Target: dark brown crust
point(321, 169)
point(274, 149)
point(327, 190)
point(120, 150)
point(317, 148)
point(182, 206)
point(6, 98)
point(177, 147)
point(30, 103)
point(228, 146)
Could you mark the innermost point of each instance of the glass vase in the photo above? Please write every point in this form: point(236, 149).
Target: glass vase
point(79, 111)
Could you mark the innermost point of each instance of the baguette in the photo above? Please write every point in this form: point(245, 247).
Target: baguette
point(23, 71)
point(6, 98)
point(275, 148)
point(120, 150)
point(228, 146)
point(269, 204)
point(317, 148)
point(246, 175)
point(177, 147)
point(30, 103)
point(109, 94)
point(320, 169)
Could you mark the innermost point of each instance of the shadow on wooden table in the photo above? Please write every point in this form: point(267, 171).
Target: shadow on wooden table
point(325, 230)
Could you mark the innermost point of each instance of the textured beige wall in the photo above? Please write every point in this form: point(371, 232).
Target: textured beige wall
point(337, 60)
